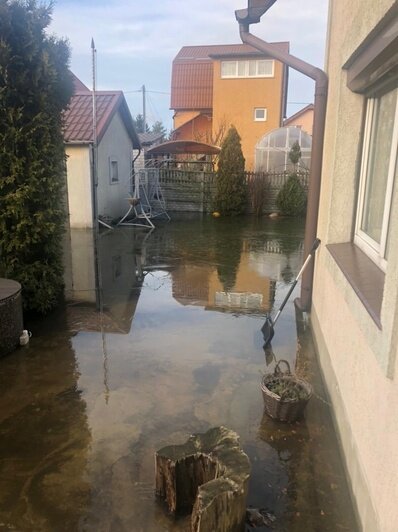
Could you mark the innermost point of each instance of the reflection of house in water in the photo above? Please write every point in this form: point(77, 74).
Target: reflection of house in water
point(276, 259)
point(113, 284)
point(201, 285)
point(45, 436)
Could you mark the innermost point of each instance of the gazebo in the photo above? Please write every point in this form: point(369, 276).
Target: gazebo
point(178, 154)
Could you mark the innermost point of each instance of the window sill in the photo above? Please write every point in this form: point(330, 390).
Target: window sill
point(366, 279)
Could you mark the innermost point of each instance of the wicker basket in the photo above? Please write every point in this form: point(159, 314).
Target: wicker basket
point(284, 409)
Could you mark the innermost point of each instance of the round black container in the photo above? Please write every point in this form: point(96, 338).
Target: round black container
point(11, 321)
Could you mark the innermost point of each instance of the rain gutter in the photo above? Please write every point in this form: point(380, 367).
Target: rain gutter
point(252, 15)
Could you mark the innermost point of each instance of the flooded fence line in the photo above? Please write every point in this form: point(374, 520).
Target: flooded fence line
point(194, 190)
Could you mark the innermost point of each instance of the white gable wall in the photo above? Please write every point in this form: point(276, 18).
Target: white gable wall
point(79, 186)
point(115, 144)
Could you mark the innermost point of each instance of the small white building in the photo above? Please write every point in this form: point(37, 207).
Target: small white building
point(116, 138)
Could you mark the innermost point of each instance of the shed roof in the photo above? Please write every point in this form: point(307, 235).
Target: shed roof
point(79, 116)
point(192, 72)
point(184, 147)
point(189, 53)
point(78, 85)
point(149, 138)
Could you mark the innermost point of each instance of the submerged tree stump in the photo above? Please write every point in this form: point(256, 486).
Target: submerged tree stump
point(208, 477)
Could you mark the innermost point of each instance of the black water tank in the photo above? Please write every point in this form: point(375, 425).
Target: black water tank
point(11, 321)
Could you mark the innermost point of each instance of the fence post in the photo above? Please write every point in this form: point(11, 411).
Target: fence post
point(202, 187)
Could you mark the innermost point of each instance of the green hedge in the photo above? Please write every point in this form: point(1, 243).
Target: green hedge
point(35, 88)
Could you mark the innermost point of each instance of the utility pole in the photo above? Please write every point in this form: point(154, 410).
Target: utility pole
point(144, 107)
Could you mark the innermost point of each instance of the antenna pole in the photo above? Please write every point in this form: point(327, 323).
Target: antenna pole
point(94, 149)
point(144, 108)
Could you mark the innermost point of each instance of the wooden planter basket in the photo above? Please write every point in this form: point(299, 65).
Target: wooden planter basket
point(280, 408)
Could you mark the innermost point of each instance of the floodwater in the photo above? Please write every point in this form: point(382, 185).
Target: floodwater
point(176, 349)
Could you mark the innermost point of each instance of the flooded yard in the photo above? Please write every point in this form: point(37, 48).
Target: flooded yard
point(176, 349)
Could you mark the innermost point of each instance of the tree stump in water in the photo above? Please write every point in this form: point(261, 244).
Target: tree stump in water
point(208, 477)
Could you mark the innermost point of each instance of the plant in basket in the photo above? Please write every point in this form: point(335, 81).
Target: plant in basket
point(285, 395)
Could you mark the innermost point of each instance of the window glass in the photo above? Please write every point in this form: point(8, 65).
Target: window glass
point(277, 161)
point(294, 136)
point(378, 162)
point(228, 68)
point(252, 68)
point(241, 68)
point(388, 233)
point(244, 69)
point(114, 172)
point(260, 114)
point(278, 138)
point(265, 67)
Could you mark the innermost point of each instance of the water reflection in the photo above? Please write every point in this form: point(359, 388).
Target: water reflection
point(103, 273)
point(176, 348)
point(45, 437)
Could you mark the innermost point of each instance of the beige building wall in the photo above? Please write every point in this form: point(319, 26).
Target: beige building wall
point(182, 117)
point(78, 168)
point(193, 126)
point(304, 121)
point(358, 359)
point(116, 145)
point(234, 102)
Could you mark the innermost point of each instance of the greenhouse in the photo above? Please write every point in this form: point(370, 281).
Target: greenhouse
point(272, 150)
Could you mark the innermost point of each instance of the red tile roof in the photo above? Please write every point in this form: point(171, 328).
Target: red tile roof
point(206, 52)
point(192, 73)
point(192, 85)
point(78, 85)
point(79, 116)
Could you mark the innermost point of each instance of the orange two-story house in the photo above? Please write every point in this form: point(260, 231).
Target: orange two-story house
point(216, 86)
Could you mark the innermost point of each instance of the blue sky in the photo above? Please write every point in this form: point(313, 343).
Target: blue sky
point(137, 40)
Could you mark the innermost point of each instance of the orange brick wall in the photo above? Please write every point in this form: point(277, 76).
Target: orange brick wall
point(234, 101)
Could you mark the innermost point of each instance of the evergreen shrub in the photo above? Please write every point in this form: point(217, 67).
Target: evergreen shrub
point(292, 198)
point(231, 191)
point(35, 89)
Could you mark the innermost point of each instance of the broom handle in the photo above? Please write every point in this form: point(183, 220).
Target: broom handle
point(315, 246)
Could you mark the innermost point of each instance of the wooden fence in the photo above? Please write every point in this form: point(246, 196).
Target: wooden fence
point(263, 189)
point(194, 190)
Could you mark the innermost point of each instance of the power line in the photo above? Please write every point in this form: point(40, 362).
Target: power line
point(146, 90)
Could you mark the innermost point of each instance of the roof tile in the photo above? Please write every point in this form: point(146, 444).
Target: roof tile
point(192, 74)
point(79, 115)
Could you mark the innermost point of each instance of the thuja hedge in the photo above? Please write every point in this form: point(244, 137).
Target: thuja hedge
point(35, 88)
point(231, 191)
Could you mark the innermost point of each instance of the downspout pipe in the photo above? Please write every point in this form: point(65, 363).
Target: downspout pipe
point(320, 102)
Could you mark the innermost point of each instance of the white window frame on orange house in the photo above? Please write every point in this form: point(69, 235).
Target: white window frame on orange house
point(245, 65)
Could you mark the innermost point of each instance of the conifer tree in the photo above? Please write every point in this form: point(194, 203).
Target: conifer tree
point(292, 199)
point(35, 88)
point(231, 194)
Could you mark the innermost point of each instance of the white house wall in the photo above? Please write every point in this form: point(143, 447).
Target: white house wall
point(359, 361)
point(79, 186)
point(117, 144)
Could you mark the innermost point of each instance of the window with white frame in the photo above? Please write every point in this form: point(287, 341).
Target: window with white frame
point(378, 172)
point(113, 170)
point(260, 114)
point(252, 68)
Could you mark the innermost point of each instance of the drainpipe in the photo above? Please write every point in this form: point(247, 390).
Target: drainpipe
point(252, 15)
